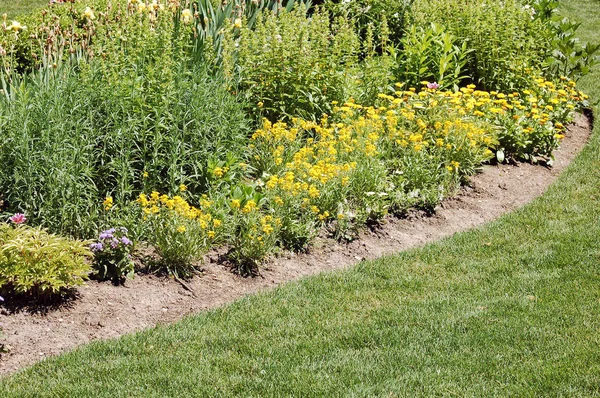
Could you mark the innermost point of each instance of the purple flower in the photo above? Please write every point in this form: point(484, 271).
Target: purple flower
point(18, 218)
point(96, 247)
point(125, 241)
point(433, 86)
point(114, 243)
point(108, 234)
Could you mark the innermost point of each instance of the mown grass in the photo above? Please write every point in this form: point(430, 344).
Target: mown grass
point(14, 8)
point(510, 309)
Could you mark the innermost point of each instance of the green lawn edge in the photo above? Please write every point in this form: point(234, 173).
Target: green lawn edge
point(16, 8)
point(509, 309)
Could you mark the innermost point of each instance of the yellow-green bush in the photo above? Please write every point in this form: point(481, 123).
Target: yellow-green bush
point(36, 263)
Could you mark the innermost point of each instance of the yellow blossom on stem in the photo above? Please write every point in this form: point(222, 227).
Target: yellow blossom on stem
point(108, 203)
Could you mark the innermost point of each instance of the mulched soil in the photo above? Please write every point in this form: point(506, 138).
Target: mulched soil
point(101, 310)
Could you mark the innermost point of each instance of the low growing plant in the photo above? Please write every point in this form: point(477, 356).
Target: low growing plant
point(112, 255)
point(36, 263)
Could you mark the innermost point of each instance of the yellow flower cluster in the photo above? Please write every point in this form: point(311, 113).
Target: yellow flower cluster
point(154, 203)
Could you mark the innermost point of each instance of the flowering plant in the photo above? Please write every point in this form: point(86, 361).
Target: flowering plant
point(112, 254)
point(18, 218)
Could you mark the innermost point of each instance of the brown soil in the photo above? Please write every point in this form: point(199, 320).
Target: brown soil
point(102, 310)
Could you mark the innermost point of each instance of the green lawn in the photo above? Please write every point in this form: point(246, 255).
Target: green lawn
point(15, 8)
point(510, 309)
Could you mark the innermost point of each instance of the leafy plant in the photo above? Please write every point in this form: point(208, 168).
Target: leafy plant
point(181, 233)
point(290, 64)
point(36, 263)
point(569, 56)
point(505, 40)
point(431, 54)
point(112, 255)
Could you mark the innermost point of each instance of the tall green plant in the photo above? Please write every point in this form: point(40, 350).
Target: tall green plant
point(431, 54)
point(291, 64)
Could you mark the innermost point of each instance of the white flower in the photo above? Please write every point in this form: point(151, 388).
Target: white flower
point(186, 15)
point(89, 13)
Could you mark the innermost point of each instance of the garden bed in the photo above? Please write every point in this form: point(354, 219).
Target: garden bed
point(104, 311)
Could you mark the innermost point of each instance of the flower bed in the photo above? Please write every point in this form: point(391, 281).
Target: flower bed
point(254, 126)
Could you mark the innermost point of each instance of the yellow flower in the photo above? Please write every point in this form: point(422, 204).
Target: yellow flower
point(313, 192)
point(142, 200)
point(183, 187)
point(267, 229)
point(181, 229)
point(217, 223)
point(145, 175)
point(108, 203)
point(210, 234)
point(237, 23)
point(218, 172)
point(235, 203)
point(250, 206)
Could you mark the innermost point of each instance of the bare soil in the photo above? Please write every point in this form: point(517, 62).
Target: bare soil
point(102, 310)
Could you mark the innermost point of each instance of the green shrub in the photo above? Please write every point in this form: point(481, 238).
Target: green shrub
point(113, 129)
point(291, 64)
point(505, 39)
point(40, 264)
point(179, 232)
point(431, 54)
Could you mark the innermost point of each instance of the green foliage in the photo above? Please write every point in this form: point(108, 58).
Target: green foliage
point(71, 140)
point(368, 14)
point(431, 54)
point(505, 40)
point(39, 264)
point(290, 65)
point(570, 57)
point(210, 20)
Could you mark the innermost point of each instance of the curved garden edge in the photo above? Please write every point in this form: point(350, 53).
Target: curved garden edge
point(106, 311)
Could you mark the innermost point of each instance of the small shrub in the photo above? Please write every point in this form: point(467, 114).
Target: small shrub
point(36, 263)
point(253, 233)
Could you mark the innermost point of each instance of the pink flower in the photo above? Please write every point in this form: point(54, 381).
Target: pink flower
point(18, 218)
point(433, 86)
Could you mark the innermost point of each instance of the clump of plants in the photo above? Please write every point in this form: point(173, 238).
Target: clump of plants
point(290, 64)
point(180, 232)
